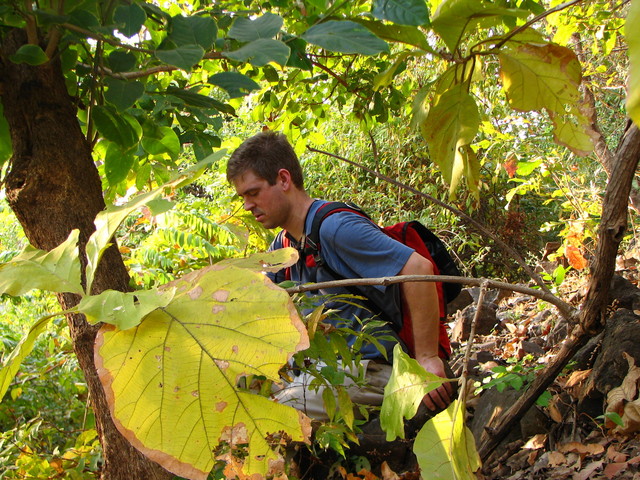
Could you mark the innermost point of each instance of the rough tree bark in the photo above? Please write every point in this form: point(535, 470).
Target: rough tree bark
point(53, 187)
point(591, 318)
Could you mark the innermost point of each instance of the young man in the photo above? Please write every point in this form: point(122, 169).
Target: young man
point(267, 175)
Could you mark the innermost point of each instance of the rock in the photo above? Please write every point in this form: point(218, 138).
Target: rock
point(620, 335)
point(461, 301)
point(487, 320)
point(624, 293)
point(493, 404)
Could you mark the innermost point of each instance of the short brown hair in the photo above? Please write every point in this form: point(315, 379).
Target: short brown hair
point(265, 153)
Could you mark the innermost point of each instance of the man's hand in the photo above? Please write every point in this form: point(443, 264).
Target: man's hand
point(441, 397)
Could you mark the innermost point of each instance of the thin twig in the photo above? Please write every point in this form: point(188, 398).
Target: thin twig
point(478, 226)
point(565, 309)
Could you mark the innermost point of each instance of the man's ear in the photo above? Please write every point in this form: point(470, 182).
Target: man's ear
point(284, 179)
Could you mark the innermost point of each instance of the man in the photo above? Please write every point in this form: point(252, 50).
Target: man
point(267, 175)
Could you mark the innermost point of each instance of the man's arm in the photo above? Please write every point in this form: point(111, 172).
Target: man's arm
point(421, 298)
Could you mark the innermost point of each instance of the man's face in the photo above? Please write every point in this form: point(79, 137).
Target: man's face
point(266, 202)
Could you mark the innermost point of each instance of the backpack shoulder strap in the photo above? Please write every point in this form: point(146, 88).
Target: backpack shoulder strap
point(312, 241)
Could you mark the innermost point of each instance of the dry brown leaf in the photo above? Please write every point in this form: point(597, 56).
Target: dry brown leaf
point(575, 258)
point(614, 455)
point(587, 471)
point(581, 449)
point(511, 165)
point(554, 411)
point(614, 469)
point(556, 459)
point(577, 377)
point(631, 418)
point(536, 442)
point(387, 473)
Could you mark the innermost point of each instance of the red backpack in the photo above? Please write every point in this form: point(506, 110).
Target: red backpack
point(412, 234)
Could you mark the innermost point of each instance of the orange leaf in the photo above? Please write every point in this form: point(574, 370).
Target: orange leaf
point(511, 165)
point(576, 260)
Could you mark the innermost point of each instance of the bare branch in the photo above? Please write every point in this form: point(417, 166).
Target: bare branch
point(565, 309)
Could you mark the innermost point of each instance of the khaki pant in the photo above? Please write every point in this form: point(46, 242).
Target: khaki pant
point(300, 395)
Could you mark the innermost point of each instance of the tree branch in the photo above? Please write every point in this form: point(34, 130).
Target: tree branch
point(565, 309)
point(479, 227)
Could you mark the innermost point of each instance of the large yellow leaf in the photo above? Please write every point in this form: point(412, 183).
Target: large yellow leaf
point(632, 35)
point(172, 381)
point(445, 447)
point(449, 127)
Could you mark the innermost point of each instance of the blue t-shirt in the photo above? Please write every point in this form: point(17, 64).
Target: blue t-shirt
point(353, 247)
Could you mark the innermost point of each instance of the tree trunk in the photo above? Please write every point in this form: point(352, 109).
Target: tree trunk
point(53, 186)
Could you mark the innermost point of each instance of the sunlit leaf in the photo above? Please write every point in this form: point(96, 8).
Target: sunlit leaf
point(384, 79)
point(574, 132)
point(123, 309)
point(450, 126)
point(346, 37)
point(539, 77)
point(453, 17)
point(108, 221)
point(575, 257)
point(248, 30)
point(408, 384)
point(56, 271)
point(273, 261)
point(403, 12)
point(223, 323)
point(193, 30)
point(131, 17)
point(632, 36)
point(236, 84)
point(30, 54)
point(184, 57)
point(445, 447)
point(20, 352)
point(158, 139)
point(122, 94)
point(261, 52)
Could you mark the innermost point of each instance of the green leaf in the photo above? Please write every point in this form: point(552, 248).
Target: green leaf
point(397, 33)
point(6, 148)
point(30, 54)
point(298, 57)
point(21, 351)
point(157, 140)
point(264, 27)
point(451, 125)
point(345, 37)
point(122, 94)
point(116, 127)
point(131, 17)
point(445, 447)
point(574, 132)
point(108, 220)
point(273, 261)
point(197, 100)
point(124, 309)
point(120, 61)
point(223, 323)
point(632, 35)
point(183, 57)
point(384, 79)
point(403, 12)
point(407, 386)
point(541, 77)
point(236, 84)
point(261, 52)
point(54, 271)
point(117, 163)
point(453, 17)
point(193, 31)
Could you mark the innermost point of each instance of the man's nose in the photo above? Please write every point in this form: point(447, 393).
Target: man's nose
point(248, 204)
